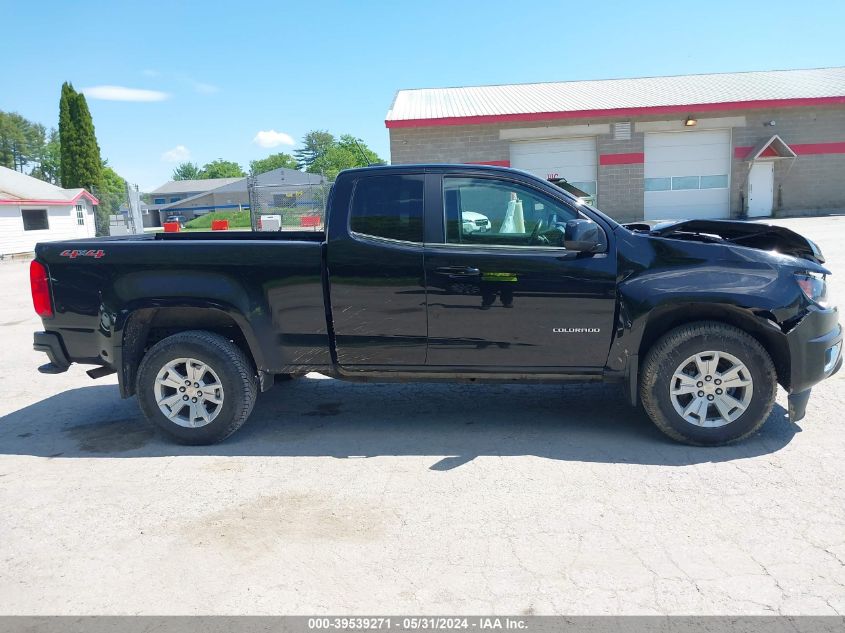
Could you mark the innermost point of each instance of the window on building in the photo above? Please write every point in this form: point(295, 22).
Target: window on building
point(80, 215)
point(658, 184)
point(35, 220)
point(681, 183)
point(175, 199)
point(488, 211)
point(714, 182)
point(389, 206)
point(159, 201)
point(684, 182)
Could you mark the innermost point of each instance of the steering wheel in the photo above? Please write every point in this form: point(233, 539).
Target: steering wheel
point(536, 238)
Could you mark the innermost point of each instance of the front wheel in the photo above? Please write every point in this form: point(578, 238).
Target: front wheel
point(196, 386)
point(708, 384)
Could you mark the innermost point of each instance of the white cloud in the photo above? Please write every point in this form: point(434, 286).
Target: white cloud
point(272, 138)
point(205, 89)
point(122, 93)
point(178, 153)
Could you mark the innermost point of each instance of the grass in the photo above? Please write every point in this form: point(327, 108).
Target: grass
point(237, 219)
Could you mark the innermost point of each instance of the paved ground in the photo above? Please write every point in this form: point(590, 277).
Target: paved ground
point(342, 498)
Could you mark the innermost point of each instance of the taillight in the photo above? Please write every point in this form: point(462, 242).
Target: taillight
point(40, 283)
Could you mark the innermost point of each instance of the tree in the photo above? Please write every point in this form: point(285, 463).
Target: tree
point(315, 144)
point(88, 162)
point(113, 192)
point(274, 161)
point(187, 171)
point(366, 156)
point(333, 161)
point(67, 137)
point(81, 164)
point(344, 154)
point(222, 169)
point(22, 142)
point(49, 167)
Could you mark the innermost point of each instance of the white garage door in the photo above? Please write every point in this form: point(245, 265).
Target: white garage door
point(687, 175)
point(573, 159)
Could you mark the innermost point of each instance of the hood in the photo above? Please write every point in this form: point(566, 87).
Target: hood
point(764, 237)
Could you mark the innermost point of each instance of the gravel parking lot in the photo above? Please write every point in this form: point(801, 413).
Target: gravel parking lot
point(406, 499)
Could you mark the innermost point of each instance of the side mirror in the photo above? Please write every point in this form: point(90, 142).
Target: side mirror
point(582, 235)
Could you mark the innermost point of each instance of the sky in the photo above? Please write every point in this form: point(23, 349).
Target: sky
point(173, 81)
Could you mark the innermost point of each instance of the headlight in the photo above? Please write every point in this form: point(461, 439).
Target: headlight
point(814, 287)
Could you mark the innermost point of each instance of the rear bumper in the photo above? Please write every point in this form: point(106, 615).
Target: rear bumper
point(51, 344)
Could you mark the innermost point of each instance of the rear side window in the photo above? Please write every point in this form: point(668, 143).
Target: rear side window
point(389, 206)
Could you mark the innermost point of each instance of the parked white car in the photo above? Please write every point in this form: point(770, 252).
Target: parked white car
point(475, 222)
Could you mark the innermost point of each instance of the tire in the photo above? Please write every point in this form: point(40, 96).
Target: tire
point(716, 417)
point(230, 379)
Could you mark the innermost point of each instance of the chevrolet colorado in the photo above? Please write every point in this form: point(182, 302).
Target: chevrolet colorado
point(697, 320)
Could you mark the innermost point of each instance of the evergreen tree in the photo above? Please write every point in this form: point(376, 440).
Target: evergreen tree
point(88, 162)
point(22, 142)
point(67, 137)
point(81, 165)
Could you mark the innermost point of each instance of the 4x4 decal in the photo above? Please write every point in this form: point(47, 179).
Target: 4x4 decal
point(73, 254)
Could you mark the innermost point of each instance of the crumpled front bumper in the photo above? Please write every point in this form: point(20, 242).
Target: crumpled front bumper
point(815, 353)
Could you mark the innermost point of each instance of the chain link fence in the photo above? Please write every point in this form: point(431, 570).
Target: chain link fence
point(298, 206)
point(119, 211)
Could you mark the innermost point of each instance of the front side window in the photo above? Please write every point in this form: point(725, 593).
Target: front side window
point(35, 220)
point(493, 212)
point(390, 207)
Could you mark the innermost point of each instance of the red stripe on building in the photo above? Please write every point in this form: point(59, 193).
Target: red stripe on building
point(617, 112)
point(622, 159)
point(799, 148)
point(819, 148)
point(497, 163)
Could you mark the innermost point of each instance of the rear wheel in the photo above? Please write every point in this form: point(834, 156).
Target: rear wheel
point(196, 386)
point(708, 384)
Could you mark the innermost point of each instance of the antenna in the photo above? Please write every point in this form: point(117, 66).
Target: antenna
point(363, 153)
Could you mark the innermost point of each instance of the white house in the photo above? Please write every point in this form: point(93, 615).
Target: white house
point(32, 211)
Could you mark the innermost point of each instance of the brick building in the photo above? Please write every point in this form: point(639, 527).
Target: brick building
point(714, 146)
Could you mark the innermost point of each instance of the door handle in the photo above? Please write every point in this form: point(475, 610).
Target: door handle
point(458, 271)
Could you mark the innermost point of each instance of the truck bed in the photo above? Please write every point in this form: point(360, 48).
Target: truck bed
point(269, 284)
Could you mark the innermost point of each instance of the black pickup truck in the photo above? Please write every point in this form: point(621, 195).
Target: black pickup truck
point(446, 273)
